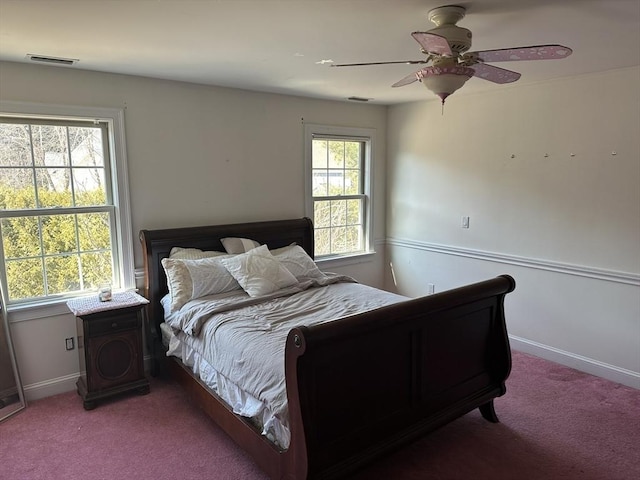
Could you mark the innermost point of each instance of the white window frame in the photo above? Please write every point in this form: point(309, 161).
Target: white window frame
point(366, 135)
point(122, 248)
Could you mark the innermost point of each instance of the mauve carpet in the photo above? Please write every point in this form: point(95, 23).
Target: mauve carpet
point(556, 423)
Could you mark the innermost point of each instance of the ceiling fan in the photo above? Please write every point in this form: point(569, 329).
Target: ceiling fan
point(446, 47)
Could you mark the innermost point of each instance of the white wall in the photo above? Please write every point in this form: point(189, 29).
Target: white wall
point(197, 155)
point(567, 228)
point(549, 175)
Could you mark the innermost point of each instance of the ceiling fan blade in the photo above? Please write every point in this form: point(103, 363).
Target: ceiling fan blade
point(534, 52)
point(494, 74)
point(406, 80)
point(432, 43)
point(406, 62)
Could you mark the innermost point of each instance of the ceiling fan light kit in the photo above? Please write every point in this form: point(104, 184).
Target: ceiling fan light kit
point(444, 80)
point(446, 47)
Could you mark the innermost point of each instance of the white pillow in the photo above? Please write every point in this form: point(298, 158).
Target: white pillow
point(297, 261)
point(238, 245)
point(259, 272)
point(190, 279)
point(192, 253)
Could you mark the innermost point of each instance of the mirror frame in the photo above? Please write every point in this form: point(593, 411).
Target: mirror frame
point(21, 404)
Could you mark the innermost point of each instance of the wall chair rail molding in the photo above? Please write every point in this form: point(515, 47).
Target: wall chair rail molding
point(626, 278)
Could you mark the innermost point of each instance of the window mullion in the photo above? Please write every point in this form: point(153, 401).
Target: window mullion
point(75, 216)
point(33, 168)
point(45, 283)
point(71, 182)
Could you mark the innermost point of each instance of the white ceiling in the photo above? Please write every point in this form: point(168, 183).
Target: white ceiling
point(274, 45)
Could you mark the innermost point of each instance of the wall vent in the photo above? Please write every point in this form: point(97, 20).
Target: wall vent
point(52, 60)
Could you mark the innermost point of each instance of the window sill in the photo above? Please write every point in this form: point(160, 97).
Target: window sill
point(36, 311)
point(344, 260)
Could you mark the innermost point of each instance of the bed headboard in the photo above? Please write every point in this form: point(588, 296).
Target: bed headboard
point(156, 245)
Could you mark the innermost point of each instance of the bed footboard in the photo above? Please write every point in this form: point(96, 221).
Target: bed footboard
point(405, 369)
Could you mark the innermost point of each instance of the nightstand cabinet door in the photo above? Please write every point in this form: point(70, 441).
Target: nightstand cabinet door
point(111, 357)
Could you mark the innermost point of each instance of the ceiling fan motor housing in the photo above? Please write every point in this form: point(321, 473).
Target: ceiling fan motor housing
point(459, 38)
point(445, 18)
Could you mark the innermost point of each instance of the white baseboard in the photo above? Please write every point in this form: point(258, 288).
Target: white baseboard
point(584, 364)
point(55, 386)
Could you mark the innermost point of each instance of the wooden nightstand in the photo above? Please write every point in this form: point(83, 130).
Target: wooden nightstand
point(109, 346)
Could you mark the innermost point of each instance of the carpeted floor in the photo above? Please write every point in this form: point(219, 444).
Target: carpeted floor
point(556, 423)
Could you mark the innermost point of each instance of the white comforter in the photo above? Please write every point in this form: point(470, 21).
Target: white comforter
point(244, 338)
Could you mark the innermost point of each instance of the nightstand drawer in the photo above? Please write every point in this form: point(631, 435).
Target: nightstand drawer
point(112, 324)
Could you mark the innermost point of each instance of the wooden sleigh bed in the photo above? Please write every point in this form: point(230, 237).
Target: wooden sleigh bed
point(357, 387)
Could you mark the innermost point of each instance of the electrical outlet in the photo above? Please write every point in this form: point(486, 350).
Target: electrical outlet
point(68, 342)
point(431, 288)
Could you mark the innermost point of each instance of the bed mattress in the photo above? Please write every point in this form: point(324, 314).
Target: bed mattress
point(239, 352)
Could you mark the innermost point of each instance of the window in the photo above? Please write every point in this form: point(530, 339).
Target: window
point(63, 204)
point(338, 186)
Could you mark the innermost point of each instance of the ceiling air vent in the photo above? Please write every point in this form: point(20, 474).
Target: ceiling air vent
point(358, 99)
point(52, 60)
